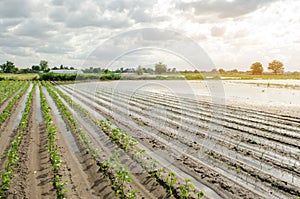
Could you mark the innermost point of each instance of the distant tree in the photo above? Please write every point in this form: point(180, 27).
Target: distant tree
point(234, 71)
point(276, 66)
point(61, 67)
point(160, 68)
point(44, 65)
point(24, 70)
point(106, 71)
point(256, 68)
point(213, 70)
point(140, 70)
point(35, 68)
point(173, 70)
point(8, 67)
point(72, 68)
point(221, 71)
point(148, 70)
point(97, 70)
point(54, 68)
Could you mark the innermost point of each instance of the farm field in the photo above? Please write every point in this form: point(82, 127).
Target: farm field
point(148, 139)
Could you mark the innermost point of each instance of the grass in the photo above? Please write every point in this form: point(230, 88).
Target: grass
point(72, 77)
point(9, 76)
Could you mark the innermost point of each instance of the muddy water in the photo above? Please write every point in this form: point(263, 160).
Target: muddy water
point(134, 126)
point(93, 132)
point(266, 168)
point(39, 116)
point(186, 135)
point(22, 107)
point(60, 124)
point(236, 91)
point(208, 191)
point(270, 81)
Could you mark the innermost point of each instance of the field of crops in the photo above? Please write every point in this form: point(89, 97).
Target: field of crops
point(91, 140)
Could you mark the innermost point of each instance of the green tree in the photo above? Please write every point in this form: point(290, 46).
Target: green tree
point(140, 70)
point(173, 70)
point(44, 65)
point(160, 68)
point(256, 68)
point(8, 67)
point(24, 70)
point(276, 66)
point(36, 68)
point(148, 70)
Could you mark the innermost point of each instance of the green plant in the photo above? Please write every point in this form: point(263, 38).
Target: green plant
point(122, 176)
point(200, 194)
point(55, 158)
point(186, 188)
point(131, 195)
point(171, 181)
point(12, 154)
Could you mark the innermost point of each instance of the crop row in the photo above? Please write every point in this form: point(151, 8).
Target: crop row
point(6, 112)
point(129, 145)
point(109, 104)
point(197, 123)
point(12, 154)
point(178, 137)
point(55, 157)
point(118, 174)
point(256, 116)
point(206, 113)
point(7, 88)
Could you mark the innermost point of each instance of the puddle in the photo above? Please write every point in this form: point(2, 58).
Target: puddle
point(22, 107)
point(38, 116)
point(121, 115)
point(208, 191)
point(60, 124)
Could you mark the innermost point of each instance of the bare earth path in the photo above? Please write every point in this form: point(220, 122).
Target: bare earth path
point(82, 178)
point(39, 177)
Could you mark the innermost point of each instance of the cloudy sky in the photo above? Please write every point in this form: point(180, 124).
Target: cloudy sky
point(211, 33)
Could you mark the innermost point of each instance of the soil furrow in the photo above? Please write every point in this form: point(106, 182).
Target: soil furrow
point(77, 167)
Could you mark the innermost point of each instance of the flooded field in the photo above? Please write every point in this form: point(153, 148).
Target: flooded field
point(225, 139)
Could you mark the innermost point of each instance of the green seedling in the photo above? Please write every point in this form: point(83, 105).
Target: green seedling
point(132, 194)
point(171, 181)
point(122, 176)
point(186, 189)
point(200, 194)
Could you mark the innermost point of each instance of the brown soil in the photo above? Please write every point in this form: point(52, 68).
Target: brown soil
point(33, 176)
point(147, 187)
point(226, 187)
point(4, 104)
point(79, 171)
point(7, 132)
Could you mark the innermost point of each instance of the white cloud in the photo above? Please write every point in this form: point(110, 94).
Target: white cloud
point(233, 33)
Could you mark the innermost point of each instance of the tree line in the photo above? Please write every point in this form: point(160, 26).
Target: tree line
point(9, 67)
point(256, 69)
